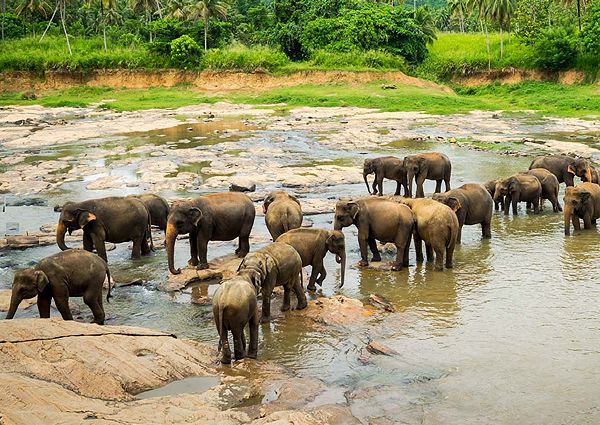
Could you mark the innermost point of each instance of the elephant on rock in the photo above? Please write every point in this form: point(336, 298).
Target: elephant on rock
point(278, 264)
point(71, 273)
point(476, 207)
point(312, 245)
point(564, 167)
point(427, 166)
point(581, 202)
point(377, 219)
point(215, 217)
point(283, 212)
point(388, 167)
point(437, 226)
point(550, 186)
point(157, 207)
point(113, 219)
point(519, 188)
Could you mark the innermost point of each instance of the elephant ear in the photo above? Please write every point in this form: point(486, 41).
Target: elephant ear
point(453, 203)
point(353, 209)
point(293, 198)
point(85, 217)
point(195, 215)
point(41, 280)
point(571, 170)
point(584, 195)
point(266, 202)
point(268, 265)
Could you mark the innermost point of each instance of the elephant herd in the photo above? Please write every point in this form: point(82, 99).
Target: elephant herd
point(435, 221)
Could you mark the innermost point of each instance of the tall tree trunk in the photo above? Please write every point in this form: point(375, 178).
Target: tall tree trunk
point(508, 29)
point(414, 9)
point(4, 12)
point(501, 43)
point(49, 22)
point(63, 14)
point(206, 33)
point(579, 13)
point(103, 24)
point(487, 45)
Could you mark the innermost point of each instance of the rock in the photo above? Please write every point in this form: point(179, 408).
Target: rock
point(108, 182)
point(375, 347)
point(5, 300)
point(219, 268)
point(335, 311)
point(242, 185)
point(380, 302)
point(26, 201)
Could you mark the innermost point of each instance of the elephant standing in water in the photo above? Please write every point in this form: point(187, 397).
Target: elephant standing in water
point(519, 188)
point(71, 273)
point(550, 186)
point(312, 245)
point(377, 219)
point(282, 213)
point(581, 201)
point(491, 188)
point(431, 166)
point(565, 168)
point(388, 167)
point(157, 207)
point(215, 217)
point(476, 207)
point(278, 264)
point(436, 225)
point(113, 219)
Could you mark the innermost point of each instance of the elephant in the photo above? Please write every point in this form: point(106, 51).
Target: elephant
point(581, 201)
point(564, 167)
point(476, 207)
point(71, 273)
point(282, 213)
point(235, 306)
point(377, 219)
point(550, 186)
point(431, 166)
point(312, 245)
point(595, 175)
point(436, 225)
point(278, 264)
point(491, 188)
point(157, 207)
point(519, 188)
point(388, 167)
point(112, 219)
point(215, 217)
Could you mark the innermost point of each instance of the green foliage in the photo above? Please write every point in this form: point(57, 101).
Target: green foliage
point(590, 35)
point(556, 49)
point(14, 26)
point(370, 59)
point(239, 57)
point(164, 31)
point(185, 52)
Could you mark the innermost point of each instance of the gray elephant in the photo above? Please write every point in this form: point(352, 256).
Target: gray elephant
point(282, 213)
point(519, 188)
point(581, 202)
point(491, 188)
point(595, 175)
point(377, 219)
point(550, 186)
point(312, 245)
point(476, 207)
point(388, 167)
point(565, 168)
point(113, 219)
point(278, 265)
point(437, 226)
point(157, 207)
point(427, 166)
point(215, 217)
point(72, 273)
point(235, 305)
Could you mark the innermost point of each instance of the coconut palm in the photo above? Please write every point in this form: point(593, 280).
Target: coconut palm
point(148, 8)
point(580, 5)
point(205, 9)
point(481, 10)
point(460, 9)
point(33, 8)
point(105, 6)
point(501, 11)
point(177, 9)
point(426, 21)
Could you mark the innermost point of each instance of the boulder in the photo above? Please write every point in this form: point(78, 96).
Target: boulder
point(241, 184)
point(218, 269)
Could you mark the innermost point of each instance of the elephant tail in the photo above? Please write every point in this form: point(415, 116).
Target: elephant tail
point(453, 232)
point(150, 232)
point(108, 295)
point(223, 342)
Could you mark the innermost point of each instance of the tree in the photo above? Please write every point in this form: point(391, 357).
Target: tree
point(33, 8)
point(105, 5)
point(206, 9)
point(425, 19)
point(580, 4)
point(177, 9)
point(460, 9)
point(148, 8)
point(501, 11)
point(481, 9)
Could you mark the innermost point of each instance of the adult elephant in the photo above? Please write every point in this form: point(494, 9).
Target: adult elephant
point(491, 188)
point(215, 217)
point(427, 166)
point(437, 226)
point(388, 167)
point(519, 188)
point(565, 168)
point(595, 175)
point(113, 219)
point(377, 219)
point(282, 213)
point(550, 186)
point(581, 202)
point(72, 273)
point(278, 264)
point(312, 245)
point(476, 207)
point(157, 207)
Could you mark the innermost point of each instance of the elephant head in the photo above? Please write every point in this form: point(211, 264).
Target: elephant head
point(505, 187)
point(451, 201)
point(491, 187)
point(414, 166)
point(72, 217)
point(346, 213)
point(577, 201)
point(368, 168)
point(182, 219)
point(336, 244)
point(257, 265)
point(580, 168)
point(275, 196)
point(27, 283)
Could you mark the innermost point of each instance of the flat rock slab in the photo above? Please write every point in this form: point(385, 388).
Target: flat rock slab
point(5, 300)
point(337, 311)
point(219, 268)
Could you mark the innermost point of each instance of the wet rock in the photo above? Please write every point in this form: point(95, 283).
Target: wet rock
point(219, 268)
point(335, 311)
point(108, 182)
point(380, 302)
point(241, 184)
point(375, 347)
point(26, 201)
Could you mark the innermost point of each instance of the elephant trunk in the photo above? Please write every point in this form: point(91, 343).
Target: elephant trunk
point(14, 304)
point(410, 175)
point(567, 216)
point(341, 259)
point(170, 237)
point(588, 175)
point(61, 230)
point(365, 174)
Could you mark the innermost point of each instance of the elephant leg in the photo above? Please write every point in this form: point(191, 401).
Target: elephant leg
point(515, 203)
point(286, 298)
point(439, 257)
point(43, 304)
point(362, 243)
point(496, 205)
point(267, 291)
point(486, 229)
point(314, 273)
point(536, 205)
point(243, 335)
point(238, 342)
point(99, 244)
point(420, 180)
point(402, 240)
point(145, 246)
point(587, 221)
point(88, 243)
point(299, 291)
point(202, 252)
point(136, 252)
point(375, 185)
point(576, 223)
point(226, 357)
point(253, 325)
point(406, 191)
point(398, 186)
point(91, 300)
point(373, 247)
point(244, 240)
point(459, 235)
point(193, 261)
point(418, 246)
point(429, 252)
point(447, 183)
point(323, 275)
point(449, 257)
point(380, 184)
point(438, 186)
point(62, 304)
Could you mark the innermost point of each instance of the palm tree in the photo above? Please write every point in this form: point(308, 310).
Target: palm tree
point(481, 9)
point(426, 21)
point(33, 8)
point(501, 11)
point(177, 9)
point(108, 5)
point(205, 9)
point(459, 8)
point(580, 4)
point(148, 7)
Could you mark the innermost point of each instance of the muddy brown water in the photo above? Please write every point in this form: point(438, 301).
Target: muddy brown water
point(510, 335)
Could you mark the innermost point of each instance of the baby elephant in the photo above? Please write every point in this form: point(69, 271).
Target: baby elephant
point(282, 213)
point(581, 202)
point(235, 306)
point(72, 273)
point(549, 184)
point(519, 188)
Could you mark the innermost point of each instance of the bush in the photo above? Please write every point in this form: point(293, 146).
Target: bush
point(376, 59)
point(164, 31)
point(556, 49)
point(590, 35)
point(14, 27)
point(238, 57)
point(185, 52)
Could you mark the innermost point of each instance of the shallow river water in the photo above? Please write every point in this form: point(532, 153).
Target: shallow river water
point(510, 335)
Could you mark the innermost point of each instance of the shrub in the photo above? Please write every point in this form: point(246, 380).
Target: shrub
point(185, 52)
point(556, 49)
point(590, 35)
point(164, 31)
point(377, 59)
point(238, 57)
point(14, 27)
